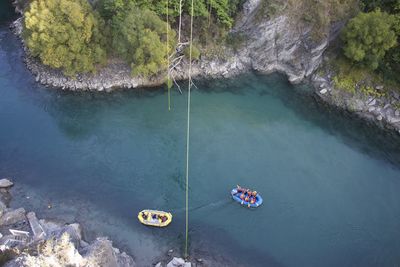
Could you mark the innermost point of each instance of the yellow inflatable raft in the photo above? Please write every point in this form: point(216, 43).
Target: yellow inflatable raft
point(155, 218)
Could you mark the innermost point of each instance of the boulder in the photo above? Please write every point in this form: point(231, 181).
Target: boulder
point(100, 253)
point(176, 262)
point(5, 183)
point(158, 264)
point(323, 91)
point(74, 232)
point(372, 102)
point(379, 117)
point(124, 260)
point(397, 113)
point(12, 217)
point(393, 119)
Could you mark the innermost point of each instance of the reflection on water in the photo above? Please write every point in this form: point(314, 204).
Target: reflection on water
point(330, 182)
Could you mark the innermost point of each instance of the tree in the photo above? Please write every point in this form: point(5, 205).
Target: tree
point(387, 5)
point(139, 36)
point(224, 10)
point(65, 34)
point(368, 36)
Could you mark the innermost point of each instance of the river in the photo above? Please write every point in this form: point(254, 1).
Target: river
point(330, 183)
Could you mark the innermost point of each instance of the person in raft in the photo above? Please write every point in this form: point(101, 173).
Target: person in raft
point(162, 218)
point(247, 195)
point(241, 189)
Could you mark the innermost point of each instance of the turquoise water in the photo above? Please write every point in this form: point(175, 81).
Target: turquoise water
point(331, 185)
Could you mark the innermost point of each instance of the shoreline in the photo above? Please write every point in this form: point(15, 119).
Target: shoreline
point(23, 237)
point(383, 111)
point(39, 232)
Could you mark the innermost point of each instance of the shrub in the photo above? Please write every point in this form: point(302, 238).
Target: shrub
point(345, 83)
point(368, 36)
point(195, 52)
point(65, 34)
point(139, 36)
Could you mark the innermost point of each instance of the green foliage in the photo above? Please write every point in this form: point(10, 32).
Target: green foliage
point(223, 10)
point(195, 52)
point(370, 91)
point(389, 6)
point(368, 37)
point(65, 34)
point(317, 15)
point(345, 83)
point(109, 8)
point(139, 37)
point(356, 78)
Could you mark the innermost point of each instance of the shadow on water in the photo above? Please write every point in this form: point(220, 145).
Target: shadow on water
point(6, 11)
point(350, 129)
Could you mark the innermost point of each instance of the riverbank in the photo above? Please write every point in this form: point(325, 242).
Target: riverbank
point(381, 109)
point(26, 240)
point(292, 53)
point(272, 45)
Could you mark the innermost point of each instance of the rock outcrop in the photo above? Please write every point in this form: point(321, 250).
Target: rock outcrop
point(383, 111)
point(271, 44)
point(5, 183)
point(34, 242)
point(275, 44)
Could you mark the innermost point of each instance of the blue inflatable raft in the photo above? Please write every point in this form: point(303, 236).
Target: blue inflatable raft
point(236, 196)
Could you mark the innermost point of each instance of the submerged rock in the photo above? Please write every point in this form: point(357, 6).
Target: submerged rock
point(176, 262)
point(102, 253)
point(5, 183)
point(13, 217)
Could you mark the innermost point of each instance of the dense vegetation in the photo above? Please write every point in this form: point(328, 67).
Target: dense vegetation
point(65, 34)
point(368, 37)
point(139, 36)
point(75, 37)
point(371, 52)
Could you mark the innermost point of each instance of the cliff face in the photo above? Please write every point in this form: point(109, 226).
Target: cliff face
point(277, 44)
point(281, 42)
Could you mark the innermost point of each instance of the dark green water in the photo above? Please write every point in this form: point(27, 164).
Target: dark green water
point(331, 185)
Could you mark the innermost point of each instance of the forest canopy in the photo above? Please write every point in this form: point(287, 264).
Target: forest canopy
point(75, 37)
point(368, 37)
point(65, 34)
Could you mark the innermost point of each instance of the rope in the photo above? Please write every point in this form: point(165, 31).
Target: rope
point(188, 133)
point(168, 75)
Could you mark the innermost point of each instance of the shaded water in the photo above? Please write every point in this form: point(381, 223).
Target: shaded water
point(331, 185)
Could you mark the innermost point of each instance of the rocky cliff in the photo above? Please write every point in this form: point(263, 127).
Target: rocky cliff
point(27, 241)
point(279, 42)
